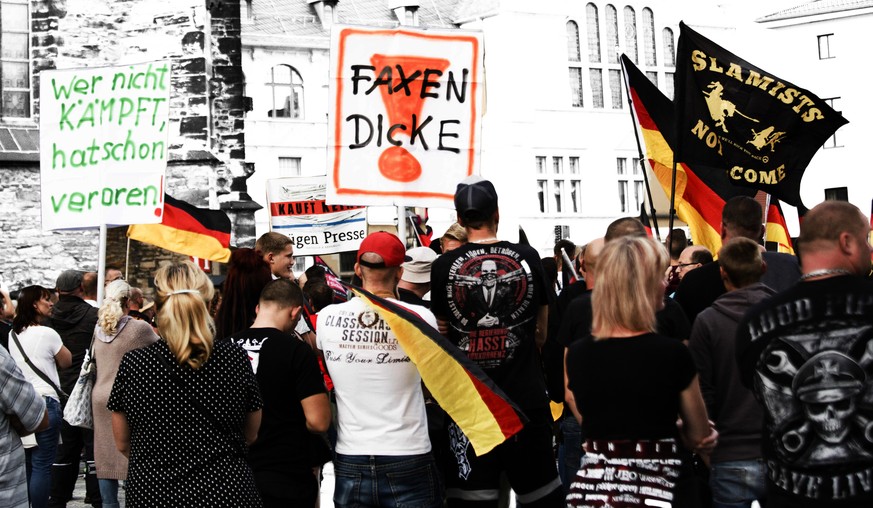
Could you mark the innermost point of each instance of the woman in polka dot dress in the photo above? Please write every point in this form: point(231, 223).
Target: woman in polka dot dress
point(185, 408)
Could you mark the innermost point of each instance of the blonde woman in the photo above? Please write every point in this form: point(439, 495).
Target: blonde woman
point(185, 408)
point(629, 385)
point(116, 334)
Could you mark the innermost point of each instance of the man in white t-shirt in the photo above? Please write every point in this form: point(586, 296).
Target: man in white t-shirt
point(383, 449)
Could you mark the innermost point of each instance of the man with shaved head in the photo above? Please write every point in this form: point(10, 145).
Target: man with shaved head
point(807, 355)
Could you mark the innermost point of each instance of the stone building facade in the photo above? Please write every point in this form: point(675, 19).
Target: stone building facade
point(206, 143)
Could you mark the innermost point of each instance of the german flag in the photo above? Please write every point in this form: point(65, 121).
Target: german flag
point(479, 408)
point(776, 236)
point(189, 230)
point(699, 197)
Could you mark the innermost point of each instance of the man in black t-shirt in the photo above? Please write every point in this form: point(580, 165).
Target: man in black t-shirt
point(807, 355)
point(490, 299)
point(295, 400)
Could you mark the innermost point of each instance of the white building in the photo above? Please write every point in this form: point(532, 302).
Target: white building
point(558, 139)
point(827, 51)
point(557, 136)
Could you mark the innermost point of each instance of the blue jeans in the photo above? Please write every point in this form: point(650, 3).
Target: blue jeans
point(570, 450)
point(387, 481)
point(735, 484)
point(41, 458)
point(108, 492)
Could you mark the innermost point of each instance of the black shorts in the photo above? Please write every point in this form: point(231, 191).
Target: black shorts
point(527, 459)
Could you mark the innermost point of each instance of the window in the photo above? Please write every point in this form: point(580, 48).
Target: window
point(541, 165)
point(574, 165)
point(669, 86)
point(576, 87)
point(832, 141)
point(289, 166)
point(575, 194)
point(287, 87)
point(653, 77)
point(631, 191)
point(615, 88)
point(649, 37)
point(593, 33)
point(559, 195)
point(630, 33)
point(596, 76)
point(574, 56)
point(824, 47)
point(669, 47)
point(612, 51)
point(622, 196)
point(559, 191)
point(15, 58)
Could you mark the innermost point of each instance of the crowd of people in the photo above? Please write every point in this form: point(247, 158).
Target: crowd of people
point(646, 373)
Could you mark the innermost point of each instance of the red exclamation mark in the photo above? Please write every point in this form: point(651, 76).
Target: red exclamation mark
point(396, 163)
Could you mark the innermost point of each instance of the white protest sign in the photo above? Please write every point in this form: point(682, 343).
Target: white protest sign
point(298, 210)
point(103, 144)
point(404, 115)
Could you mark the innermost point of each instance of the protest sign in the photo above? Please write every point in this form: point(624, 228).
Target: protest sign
point(298, 209)
point(103, 145)
point(404, 119)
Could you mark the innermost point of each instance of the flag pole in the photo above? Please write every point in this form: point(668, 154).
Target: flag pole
point(401, 224)
point(679, 107)
point(766, 217)
point(640, 151)
point(101, 264)
point(127, 260)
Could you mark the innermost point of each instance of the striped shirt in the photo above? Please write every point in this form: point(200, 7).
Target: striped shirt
point(19, 398)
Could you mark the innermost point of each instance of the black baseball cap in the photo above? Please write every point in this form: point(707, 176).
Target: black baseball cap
point(475, 199)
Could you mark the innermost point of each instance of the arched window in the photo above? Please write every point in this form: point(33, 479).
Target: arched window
point(574, 54)
point(593, 24)
point(630, 33)
point(287, 88)
point(669, 48)
point(649, 37)
point(611, 34)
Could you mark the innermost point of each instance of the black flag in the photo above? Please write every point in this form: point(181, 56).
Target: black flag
point(735, 118)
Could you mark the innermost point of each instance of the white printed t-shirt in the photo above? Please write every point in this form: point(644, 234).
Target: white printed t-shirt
point(41, 343)
point(378, 389)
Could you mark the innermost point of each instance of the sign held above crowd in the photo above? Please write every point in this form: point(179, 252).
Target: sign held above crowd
point(298, 210)
point(404, 119)
point(104, 142)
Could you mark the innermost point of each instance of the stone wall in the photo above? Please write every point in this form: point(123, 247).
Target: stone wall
point(27, 254)
point(207, 144)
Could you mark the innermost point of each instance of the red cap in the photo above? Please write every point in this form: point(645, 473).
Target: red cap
point(386, 245)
